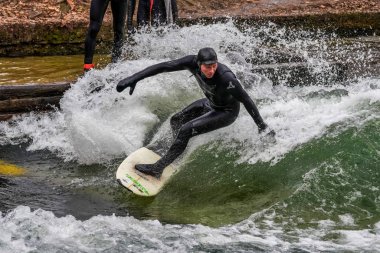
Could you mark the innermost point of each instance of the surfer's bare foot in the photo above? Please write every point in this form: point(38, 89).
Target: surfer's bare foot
point(149, 169)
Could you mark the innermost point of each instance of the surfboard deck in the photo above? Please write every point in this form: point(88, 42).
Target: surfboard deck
point(140, 183)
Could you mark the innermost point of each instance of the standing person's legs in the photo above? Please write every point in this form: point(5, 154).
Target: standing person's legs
point(131, 11)
point(208, 122)
point(143, 13)
point(97, 10)
point(158, 13)
point(119, 12)
point(174, 10)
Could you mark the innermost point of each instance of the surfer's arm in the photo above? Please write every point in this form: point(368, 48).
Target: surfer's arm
point(169, 66)
point(236, 90)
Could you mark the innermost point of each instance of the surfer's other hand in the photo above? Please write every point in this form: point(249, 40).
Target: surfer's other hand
point(262, 127)
point(271, 133)
point(265, 130)
point(125, 83)
point(268, 132)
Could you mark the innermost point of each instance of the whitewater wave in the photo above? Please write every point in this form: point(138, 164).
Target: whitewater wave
point(23, 230)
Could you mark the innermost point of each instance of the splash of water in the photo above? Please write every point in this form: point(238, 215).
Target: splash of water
point(96, 127)
point(24, 230)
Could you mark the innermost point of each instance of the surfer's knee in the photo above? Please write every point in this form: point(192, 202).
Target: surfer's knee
point(175, 120)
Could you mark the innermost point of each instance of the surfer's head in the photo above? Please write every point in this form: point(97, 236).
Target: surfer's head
point(207, 61)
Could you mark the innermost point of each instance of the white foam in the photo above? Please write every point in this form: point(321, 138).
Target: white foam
point(347, 219)
point(23, 230)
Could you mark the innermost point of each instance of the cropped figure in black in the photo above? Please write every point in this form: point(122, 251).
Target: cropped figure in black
point(156, 12)
point(220, 108)
point(97, 11)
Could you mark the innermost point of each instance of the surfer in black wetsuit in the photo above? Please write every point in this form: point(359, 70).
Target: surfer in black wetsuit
point(97, 11)
point(220, 108)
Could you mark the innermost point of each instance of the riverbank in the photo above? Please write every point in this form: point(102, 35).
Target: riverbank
point(58, 27)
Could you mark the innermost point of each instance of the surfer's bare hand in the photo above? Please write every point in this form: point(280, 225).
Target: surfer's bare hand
point(125, 83)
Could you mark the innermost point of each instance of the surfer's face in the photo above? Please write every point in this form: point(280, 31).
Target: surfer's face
point(209, 69)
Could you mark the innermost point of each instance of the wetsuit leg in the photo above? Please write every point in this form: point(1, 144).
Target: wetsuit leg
point(119, 11)
point(159, 13)
point(175, 10)
point(192, 111)
point(210, 121)
point(131, 11)
point(143, 13)
point(97, 10)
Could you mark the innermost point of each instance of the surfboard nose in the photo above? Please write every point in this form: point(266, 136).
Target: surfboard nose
point(11, 169)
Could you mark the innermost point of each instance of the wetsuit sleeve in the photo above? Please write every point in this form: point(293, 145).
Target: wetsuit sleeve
point(236, 90)
point(185, 63)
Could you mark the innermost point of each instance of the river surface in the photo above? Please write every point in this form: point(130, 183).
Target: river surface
point(315, 189)
point(46, 69)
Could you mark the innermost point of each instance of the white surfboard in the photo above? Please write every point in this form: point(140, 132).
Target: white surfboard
point(140, 183)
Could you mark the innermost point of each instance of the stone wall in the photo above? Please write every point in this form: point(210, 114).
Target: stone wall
point(55, 39)
point(48, 39)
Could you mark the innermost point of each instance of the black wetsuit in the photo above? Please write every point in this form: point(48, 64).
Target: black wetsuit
point(97, 11)
point(156, 13)
point(220, 108)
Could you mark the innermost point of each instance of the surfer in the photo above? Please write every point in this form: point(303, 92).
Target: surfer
point(97, 11)
point(220, 108)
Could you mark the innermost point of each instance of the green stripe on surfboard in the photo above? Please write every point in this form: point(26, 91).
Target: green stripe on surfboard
point(138, 185)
